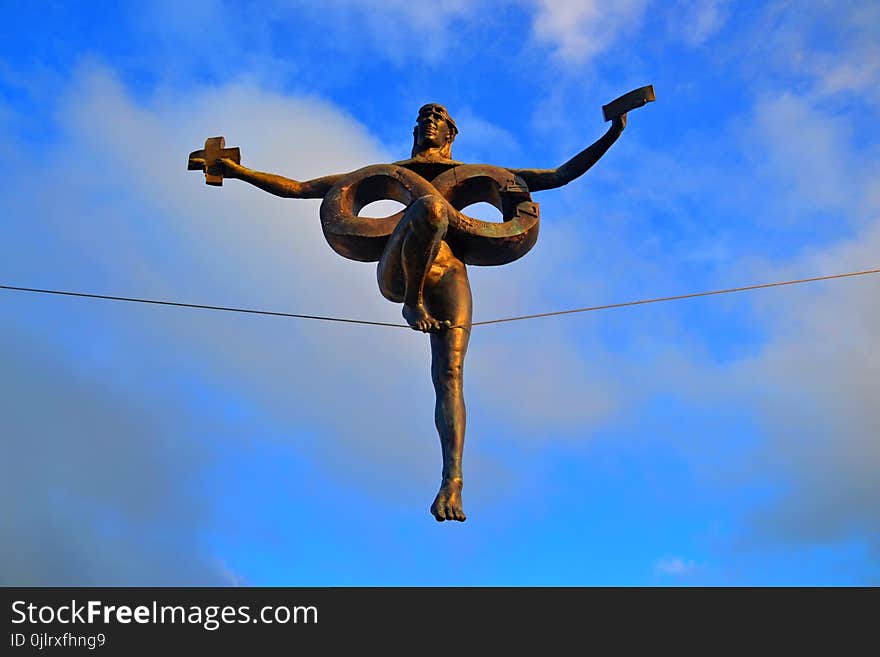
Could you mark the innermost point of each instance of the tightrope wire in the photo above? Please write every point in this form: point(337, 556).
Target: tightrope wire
point(680, 296)
point(252, 311)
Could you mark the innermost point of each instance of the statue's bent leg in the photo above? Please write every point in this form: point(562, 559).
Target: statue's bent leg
point(427, 223)
point(448, 298)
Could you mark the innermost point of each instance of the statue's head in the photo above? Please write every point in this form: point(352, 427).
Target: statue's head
point(434, 129)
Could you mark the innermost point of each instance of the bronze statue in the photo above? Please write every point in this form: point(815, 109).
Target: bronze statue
point(423, 250)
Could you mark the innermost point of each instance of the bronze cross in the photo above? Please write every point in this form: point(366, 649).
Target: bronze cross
point(215, 148)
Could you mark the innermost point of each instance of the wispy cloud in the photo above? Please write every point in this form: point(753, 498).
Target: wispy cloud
point(581, 29)
point(394, 30)
point(145, 226)
point(97, 486)
point(696, 21)
point(677, 567)
point(815, 385)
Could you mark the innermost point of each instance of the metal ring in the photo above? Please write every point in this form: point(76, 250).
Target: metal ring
point(474, 241)
point(364, 238)
point(478, 242)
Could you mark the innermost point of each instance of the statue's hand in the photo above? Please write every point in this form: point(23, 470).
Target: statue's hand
point(231, 168)
point(197, 162)
point(619, 123)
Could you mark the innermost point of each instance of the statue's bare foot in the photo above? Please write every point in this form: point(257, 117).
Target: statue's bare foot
point(417, 317)
point(447, 504)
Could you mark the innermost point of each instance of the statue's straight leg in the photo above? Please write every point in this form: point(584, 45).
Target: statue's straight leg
point(448, 297)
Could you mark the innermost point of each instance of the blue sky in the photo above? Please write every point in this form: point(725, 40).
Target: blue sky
point(727, 440)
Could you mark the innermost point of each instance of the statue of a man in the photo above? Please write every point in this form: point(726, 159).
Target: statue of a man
point(423, 266)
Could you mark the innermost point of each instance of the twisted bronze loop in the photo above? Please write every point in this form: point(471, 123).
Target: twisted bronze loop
point(474, 241)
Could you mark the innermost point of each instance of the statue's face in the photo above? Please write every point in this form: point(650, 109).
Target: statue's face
point(432, 128)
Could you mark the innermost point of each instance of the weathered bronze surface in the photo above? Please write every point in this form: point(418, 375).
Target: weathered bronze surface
point(423, 251)
point(207, 159)
point(628, 101)
point(474, 241)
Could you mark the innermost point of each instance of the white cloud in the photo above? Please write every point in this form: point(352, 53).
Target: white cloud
point(581, 29)
point(831, 45)
point(676, 566)
point(697, 21)
point(552, 390)
point(815, 385)
point(399, 30)
point(812, 385)
point(804, 152)
point(125, 217)
point(97, 487)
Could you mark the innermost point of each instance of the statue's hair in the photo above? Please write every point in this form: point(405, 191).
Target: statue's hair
point(446, 151)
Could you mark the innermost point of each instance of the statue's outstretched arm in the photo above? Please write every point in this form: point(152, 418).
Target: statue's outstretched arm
point(279, 185)
point(538, 179)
